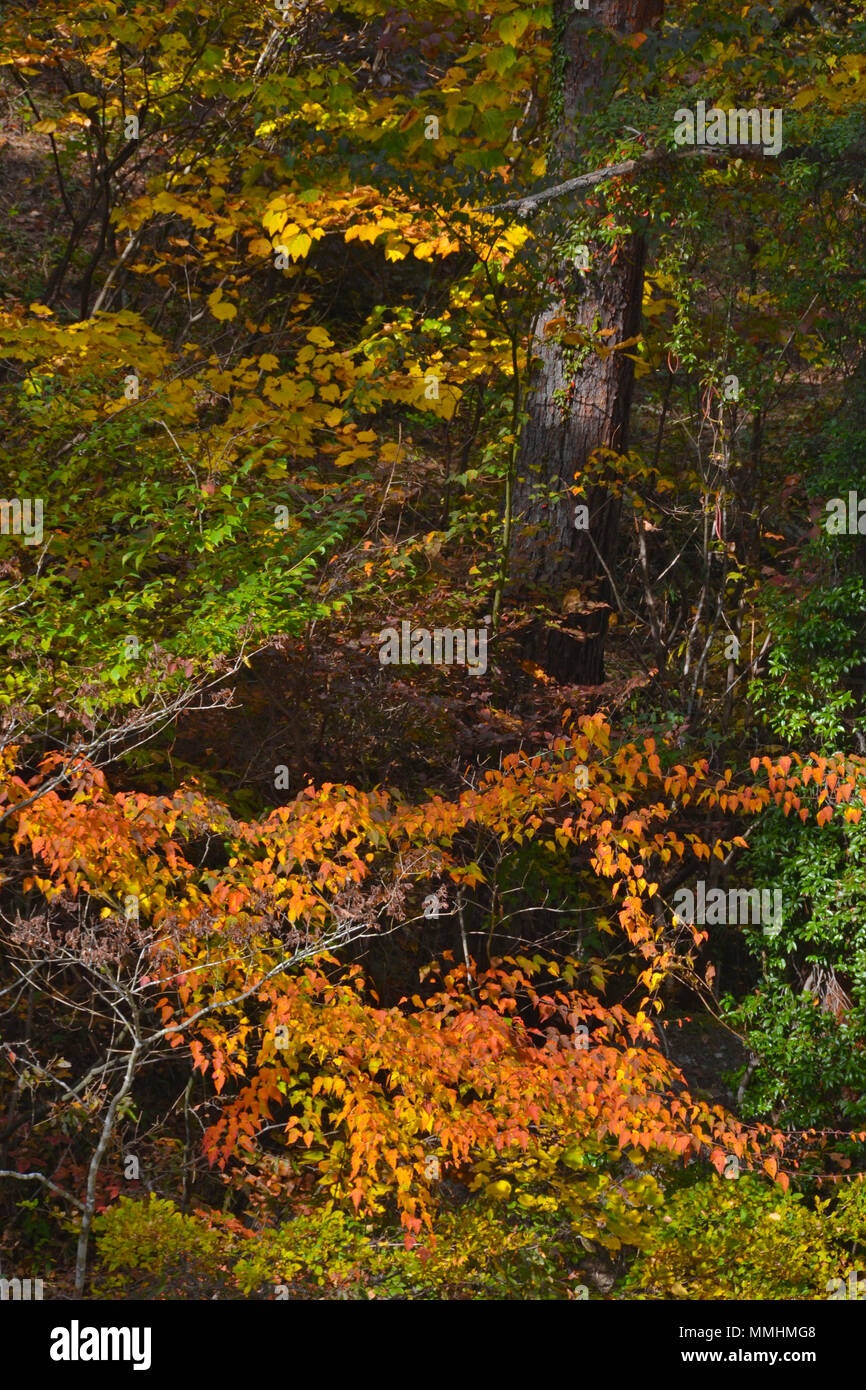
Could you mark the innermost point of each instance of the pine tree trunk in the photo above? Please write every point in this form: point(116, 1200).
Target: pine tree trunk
point(574, 410)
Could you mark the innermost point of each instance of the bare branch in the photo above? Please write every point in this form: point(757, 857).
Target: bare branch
point(530, 201)
point(46, 1182)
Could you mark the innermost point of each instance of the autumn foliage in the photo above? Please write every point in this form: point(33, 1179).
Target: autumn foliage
point(499, 1074)
point(342, 976)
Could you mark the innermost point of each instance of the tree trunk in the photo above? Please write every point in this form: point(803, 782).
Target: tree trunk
point(575, 409)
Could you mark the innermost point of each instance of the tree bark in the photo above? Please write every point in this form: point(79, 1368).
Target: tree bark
point(575, 409)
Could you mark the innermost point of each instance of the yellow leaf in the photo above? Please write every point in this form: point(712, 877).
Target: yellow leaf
point(651, 307)
point(268, 362)
point(368, 233)
point(398, 251)
point(221, 309)
point(320, 338)
point(298, 246)
point(165, 202)
point(512, 27)
point(500, 1190)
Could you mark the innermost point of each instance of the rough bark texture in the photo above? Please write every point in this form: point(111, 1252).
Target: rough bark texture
point(574, 410)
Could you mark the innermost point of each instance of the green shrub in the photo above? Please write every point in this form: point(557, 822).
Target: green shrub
point(482, 1250)
point(811, 1069)
point(151, 1250)
point(746, 1239)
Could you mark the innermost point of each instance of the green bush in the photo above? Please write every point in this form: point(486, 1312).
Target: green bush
point(746, 1239)
point(151, 1250)
point(811, 1069)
